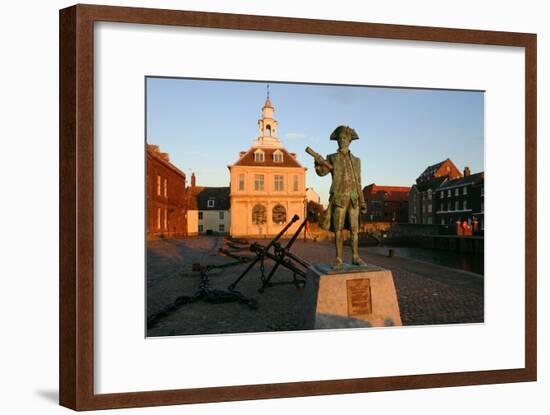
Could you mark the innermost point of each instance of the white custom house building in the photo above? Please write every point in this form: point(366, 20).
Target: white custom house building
point(268, 184)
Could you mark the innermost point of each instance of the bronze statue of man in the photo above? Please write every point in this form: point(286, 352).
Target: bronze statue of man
point(346, 199)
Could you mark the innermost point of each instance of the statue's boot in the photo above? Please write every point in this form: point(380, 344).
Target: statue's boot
point(356, 260)
point(338, 264)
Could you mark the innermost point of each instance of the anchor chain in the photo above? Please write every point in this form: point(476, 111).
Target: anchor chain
point(204, 293)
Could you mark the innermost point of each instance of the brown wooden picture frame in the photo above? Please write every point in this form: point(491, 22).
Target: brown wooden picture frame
point(76, 120)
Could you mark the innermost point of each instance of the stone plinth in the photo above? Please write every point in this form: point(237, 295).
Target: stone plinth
point(351, 297)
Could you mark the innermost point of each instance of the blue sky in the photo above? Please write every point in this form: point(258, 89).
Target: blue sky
point(203, 124)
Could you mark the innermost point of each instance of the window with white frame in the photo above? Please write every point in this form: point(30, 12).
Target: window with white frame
point(429, 194)
point(449, 193)
point(278, 157)
point(259, 182)
point(457, 191)
point(278, 185)
point(457, 206)
point(465, 205)
point(441, 195)
point(465, 190)
point(200, 215)
point(259, 156)
point(210, 203)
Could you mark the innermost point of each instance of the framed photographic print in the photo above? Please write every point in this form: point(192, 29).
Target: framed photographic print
point(311, 207)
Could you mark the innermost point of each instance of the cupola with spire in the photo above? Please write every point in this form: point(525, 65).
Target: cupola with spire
point(267, 126)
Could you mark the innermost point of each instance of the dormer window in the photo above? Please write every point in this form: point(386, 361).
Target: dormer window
point(259, 156)
point(278, 157)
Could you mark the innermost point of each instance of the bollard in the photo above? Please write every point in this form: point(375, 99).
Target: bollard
point(390, 253)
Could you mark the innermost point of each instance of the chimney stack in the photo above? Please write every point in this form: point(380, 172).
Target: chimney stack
point(193, 180)
point(466, 171)
point(153, 148)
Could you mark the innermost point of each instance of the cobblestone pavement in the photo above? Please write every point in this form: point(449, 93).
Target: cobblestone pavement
point(427, 293)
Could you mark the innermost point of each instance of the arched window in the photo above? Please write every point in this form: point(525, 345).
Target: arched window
point(259, 215)
point(268, 129)
point(279, 214)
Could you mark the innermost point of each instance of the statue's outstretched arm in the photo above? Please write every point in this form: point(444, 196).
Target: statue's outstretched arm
point(322, 166)
point(321, 169)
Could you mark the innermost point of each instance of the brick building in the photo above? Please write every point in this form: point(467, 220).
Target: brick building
point(461, 200)
point(386, 203)
point(166, 196)
point(421, 196)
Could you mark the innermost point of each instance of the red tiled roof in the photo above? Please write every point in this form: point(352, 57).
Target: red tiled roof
point(435, 171)
point(248, 159)
point(394, 193)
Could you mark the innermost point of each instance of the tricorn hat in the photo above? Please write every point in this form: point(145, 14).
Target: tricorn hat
point(341, 129)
